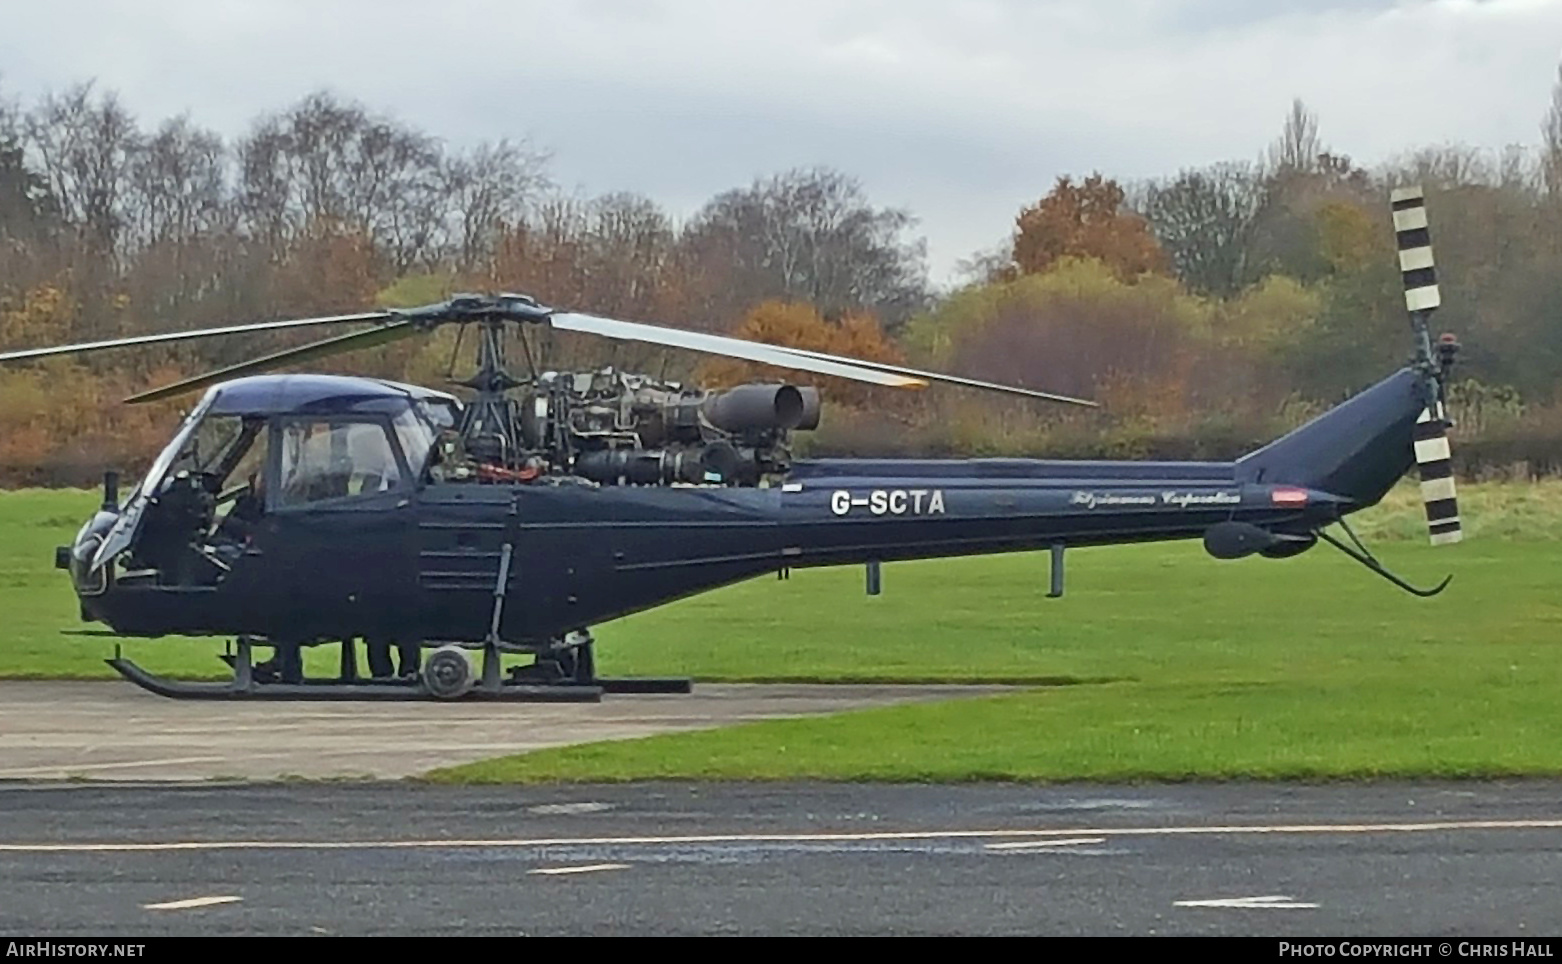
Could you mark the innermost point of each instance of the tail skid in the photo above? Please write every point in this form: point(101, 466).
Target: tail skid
point(1363, 555)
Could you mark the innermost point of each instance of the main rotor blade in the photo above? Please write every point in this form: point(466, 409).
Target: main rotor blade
point(353, 341)
point(186, 335)
point(877, 373)
point(731, 347)
point(953, 379)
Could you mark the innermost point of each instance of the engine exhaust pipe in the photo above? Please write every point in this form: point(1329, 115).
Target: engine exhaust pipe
point(756, 408)
point(811, 407)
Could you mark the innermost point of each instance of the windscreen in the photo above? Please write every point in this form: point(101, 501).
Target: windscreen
point(119, 537)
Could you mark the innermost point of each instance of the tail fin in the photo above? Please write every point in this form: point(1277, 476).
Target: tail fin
point(1360, 449)
point(1357, 450)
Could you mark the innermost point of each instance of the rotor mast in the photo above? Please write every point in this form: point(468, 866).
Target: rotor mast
point(490, 429)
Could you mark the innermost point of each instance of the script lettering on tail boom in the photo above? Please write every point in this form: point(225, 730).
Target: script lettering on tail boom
point(1182, 500)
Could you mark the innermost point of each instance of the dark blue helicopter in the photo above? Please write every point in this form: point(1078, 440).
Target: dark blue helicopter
point(294, 510)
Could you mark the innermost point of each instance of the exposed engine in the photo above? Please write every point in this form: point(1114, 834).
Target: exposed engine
point(614, 428)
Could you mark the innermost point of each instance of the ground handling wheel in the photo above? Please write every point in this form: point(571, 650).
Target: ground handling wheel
point(448, 673)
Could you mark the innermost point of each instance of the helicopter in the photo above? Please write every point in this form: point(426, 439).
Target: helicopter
point(295, 510)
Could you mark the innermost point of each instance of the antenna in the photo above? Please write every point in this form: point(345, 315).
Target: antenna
point(1433, 455)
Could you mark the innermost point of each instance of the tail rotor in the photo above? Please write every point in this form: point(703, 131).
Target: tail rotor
point(1434, 458)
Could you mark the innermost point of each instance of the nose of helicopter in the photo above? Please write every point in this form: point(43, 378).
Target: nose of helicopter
point(65, 557)
point(77, 557)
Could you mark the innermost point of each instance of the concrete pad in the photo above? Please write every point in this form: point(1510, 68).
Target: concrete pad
point(114, 731)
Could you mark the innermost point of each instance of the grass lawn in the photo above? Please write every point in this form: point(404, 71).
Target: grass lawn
point(1186, 666)
point(1298, 668)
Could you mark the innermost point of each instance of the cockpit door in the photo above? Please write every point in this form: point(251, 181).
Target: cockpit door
point(339, 527)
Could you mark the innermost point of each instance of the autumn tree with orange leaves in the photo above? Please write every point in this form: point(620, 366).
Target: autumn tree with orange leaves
point(1085, 220)
point(796, 324)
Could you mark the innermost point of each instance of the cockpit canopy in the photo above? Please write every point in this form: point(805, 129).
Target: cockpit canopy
point(278, 442)
point(336, 434)
point(325, 395)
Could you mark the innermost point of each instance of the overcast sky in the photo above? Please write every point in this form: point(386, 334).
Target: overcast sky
point(959, 110)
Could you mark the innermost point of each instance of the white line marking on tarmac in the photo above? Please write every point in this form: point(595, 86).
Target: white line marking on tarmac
point(79, 767)
point(525, 842)
point(570, 808)
point(1276, 901)
point(578, 870)
point(192, 902)
point(1043, 844)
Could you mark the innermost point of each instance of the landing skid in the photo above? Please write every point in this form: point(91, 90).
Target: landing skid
point(568, 680)
point(336, 689)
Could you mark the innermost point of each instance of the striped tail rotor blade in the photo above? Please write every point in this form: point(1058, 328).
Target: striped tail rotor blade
point(1413, 237)
point(1415, 249)
point(1435, 460)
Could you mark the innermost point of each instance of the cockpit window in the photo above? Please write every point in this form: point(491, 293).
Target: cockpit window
point(335, 459)
point(441, 413)
point(206, 447)
point(417, 440)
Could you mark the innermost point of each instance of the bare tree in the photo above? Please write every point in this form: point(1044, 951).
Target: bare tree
point(1517, 169)
point(325, 166)
point(488, 190)
point(1551, 140)
point(263, 194)
point(179, 183)
point(986, 265)
point(25, 202)
point(813, 236)
point(1297, 148)
point(612, 254)
point(393, 188)
point(29, 218)
point(10, 121)
point(84, 147)
point(1449, 166)
point(630, 254)
point(182, 228)
point(1204, 219)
